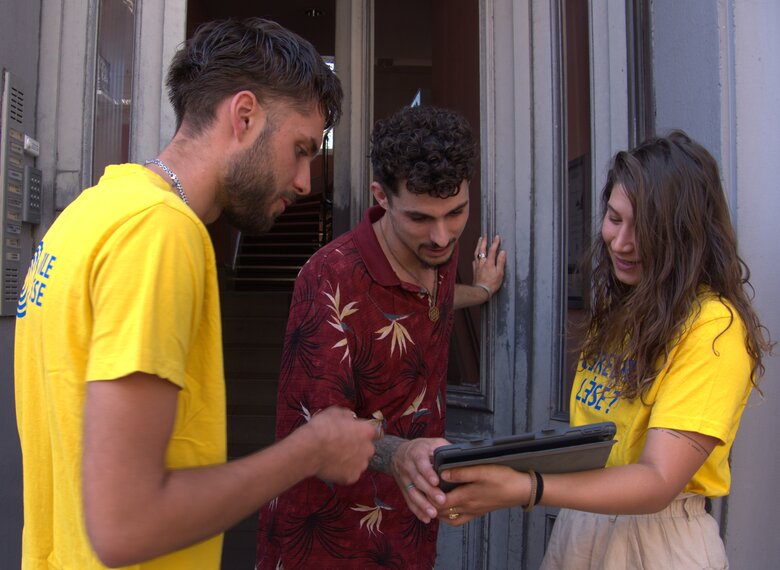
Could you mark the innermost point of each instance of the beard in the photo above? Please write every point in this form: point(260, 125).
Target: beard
point(418, 250)
point(250, 188)
point(439, 262)
point(428, 265)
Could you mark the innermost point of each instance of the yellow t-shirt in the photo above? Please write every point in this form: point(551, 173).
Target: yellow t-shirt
point(123, 281)
point(703, 388)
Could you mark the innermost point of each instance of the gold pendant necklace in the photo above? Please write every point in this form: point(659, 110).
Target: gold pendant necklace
point(433, 310)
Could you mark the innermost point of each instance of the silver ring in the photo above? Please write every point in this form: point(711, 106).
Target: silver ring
point(481, 255)
point(410, 486)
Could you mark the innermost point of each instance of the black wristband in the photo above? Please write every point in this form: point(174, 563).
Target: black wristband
point(539, 487)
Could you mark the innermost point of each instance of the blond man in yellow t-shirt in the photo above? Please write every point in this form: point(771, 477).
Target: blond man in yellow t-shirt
point(118, 358)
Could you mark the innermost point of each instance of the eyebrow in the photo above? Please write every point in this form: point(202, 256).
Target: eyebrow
point(628, 218)
point(424, 215)
point(314, 148)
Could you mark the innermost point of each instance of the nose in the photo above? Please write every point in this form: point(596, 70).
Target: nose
point(439, 234)
point(624, 240)
point(302, 180)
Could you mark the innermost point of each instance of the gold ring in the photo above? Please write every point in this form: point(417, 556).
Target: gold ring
point(453, 516)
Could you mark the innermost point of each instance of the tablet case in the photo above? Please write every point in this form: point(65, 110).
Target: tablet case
point(547, 451)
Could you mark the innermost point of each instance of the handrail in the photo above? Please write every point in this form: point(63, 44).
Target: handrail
point(237, 248)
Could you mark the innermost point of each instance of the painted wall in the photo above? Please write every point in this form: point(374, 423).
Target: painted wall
point(686, 69)
point(19, 50)
point(717, 75)
point(751, 532)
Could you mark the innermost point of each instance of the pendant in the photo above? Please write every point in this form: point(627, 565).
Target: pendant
point(433, 313)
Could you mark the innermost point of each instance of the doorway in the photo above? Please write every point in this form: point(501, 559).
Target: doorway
point(426, 51)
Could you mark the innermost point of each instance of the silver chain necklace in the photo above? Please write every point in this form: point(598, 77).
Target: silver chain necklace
point(173, 177)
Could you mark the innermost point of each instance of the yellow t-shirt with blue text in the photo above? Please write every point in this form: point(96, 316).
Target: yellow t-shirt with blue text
point(124, 281)
point(703, 388)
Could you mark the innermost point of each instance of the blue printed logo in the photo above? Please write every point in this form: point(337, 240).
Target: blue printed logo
point(35, 283)
point(596, 391)
point(596, 395)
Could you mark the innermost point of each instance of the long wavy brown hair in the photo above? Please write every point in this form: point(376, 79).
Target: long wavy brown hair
point(686, 244)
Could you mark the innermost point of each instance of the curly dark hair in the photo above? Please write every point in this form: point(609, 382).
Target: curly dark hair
point(432, 149)
point(224, 57)
point(687, 247)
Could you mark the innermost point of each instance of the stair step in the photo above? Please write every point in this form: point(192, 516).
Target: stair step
point(288, 250)
point(280, 246)
point(305, 214)
point(278, 283)
point(266, 269)
point(264, 257)
point(252, 396)
point(293, 225)
point(268, 279)
point(263, 285)
point(246, 304)
point(314, 209)
point(254, 431)
point(287, 237)
point(284, 278)
point(263, 362)
point(270, 262)
point(297, 234)
point(315, 198)
point(249, 332)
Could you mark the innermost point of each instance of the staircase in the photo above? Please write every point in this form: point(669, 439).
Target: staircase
point(253, 325)
point(271, 261)
point(255, 300)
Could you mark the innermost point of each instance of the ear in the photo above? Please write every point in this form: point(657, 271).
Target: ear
point(380, 195)
point(246, 114)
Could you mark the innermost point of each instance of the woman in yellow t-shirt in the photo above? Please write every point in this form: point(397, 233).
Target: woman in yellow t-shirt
point(672, 350)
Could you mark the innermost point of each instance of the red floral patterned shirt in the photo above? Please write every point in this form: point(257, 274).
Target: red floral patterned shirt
point(358, 337)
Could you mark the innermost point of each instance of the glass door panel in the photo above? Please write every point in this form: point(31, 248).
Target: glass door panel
point(113, 84)
point(427, 52)
point(578, 195)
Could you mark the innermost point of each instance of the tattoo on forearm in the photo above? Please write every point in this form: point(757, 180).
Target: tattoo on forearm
point(383, 454)
point(691, 442)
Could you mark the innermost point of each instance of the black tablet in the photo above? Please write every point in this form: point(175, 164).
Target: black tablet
point(549, 450)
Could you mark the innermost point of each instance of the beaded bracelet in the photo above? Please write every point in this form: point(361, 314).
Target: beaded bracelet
point(537, 490)
point(532, 496)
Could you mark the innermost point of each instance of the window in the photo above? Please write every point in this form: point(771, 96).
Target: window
point(578, 195)
point(435, 61)
point(113, 84)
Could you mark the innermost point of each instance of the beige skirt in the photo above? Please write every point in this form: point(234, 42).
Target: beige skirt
point(681, 536)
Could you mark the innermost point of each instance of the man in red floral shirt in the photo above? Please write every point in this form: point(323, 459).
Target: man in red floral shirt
point(369, 329)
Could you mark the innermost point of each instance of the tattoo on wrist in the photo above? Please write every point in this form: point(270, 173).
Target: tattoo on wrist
point(384, 449)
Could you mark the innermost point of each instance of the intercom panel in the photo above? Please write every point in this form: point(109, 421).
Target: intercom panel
point(19, 192)
point(31, 197)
